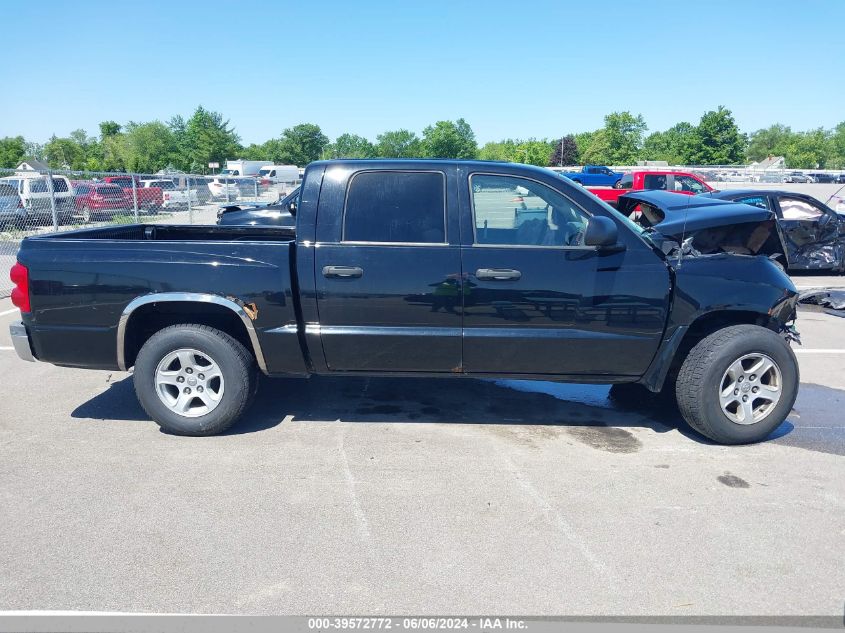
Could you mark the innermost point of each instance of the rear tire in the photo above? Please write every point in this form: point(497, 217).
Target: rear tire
point(720, 393)
point(195, 405)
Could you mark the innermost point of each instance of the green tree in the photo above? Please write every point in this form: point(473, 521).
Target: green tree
point(595, 149)
point(109, 128)
point(398, 144)
point(771, 141)
point(66, 152)
point(810, 150)
point(675, 145)
point(447, 139)
point(12, 151)
point(499, 150)
point(351, 146)
point(718, 140)
point(300, 144)
point(565, 152)
point(207, 138)
point(147, 147)
point(623, 135)
point(837, 146)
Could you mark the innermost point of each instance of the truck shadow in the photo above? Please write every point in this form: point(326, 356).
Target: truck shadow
point(423, 400)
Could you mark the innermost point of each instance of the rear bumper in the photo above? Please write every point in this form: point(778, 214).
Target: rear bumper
point(20, 341)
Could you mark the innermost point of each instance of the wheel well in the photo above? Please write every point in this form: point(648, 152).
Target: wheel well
point(708, 323)
point(148, 319)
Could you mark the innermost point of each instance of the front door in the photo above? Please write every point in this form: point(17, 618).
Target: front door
point(538, 301)
point(811, 232)
point(388, 284)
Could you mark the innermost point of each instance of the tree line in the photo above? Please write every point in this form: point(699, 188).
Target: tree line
point(206, 136)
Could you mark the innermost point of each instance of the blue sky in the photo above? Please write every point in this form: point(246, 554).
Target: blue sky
point(511, 69)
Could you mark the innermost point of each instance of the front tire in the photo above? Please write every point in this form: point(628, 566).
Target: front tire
point(194, 379)
point(738, 384)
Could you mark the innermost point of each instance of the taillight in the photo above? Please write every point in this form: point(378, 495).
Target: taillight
point(20, 294)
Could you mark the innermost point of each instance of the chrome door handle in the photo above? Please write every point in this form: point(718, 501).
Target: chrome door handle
point(344, 272)
point(498, 274)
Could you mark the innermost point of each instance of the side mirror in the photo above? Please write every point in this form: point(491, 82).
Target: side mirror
point(824, 219)
point(601, 232)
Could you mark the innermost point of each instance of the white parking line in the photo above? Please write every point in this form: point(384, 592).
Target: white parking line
point(6, 349)
point(13, 310)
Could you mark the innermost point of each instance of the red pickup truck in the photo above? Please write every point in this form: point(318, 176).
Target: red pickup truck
point(676, 181)
point(149, 198)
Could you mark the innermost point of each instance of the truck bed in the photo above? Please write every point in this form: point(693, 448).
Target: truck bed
point(82, 283)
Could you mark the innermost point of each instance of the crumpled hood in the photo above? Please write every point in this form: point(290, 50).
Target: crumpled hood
point(698, 225)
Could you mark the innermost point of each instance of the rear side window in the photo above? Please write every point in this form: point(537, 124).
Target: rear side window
point(408, 207)
point(654, 181)
point(38, 185)
point(83, 189)
point(627, 181)
point(59, 185)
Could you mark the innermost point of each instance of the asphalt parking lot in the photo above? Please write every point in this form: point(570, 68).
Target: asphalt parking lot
point(379, 496)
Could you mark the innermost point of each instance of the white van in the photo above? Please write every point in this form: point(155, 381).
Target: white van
point(34, 191)
point(275, 174)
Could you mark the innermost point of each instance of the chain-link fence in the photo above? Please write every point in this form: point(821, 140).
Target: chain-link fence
point(33, 202)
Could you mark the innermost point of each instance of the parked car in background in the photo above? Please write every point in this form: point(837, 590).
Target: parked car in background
point(814, 234)
point(172, 196)
point(275, 174)
point(675, 181)
point(98, 200)
point(599, 302)
point(821, 176)
point(242, 167)
point(796, 176)
point(222, 187)
point(34, 191)
point(594, 176)
point(281, 213)
point(840, 179)
point(732, 176)
point(150, 199)
point(12, 212)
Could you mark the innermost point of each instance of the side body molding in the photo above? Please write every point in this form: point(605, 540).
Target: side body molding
point(196, 297)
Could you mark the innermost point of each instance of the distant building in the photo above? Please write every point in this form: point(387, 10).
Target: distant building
point(771, 163)
point(31, 164)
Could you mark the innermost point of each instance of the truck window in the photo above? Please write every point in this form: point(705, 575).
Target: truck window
point(686, 183)
point(627, 182)
point(519, 212)
point(403, 207)
point(654, 181)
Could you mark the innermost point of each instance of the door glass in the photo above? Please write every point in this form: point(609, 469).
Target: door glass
point(654, 181)
point(518, 212)
point(796, 209)
point(405, 207)
point(685, 183)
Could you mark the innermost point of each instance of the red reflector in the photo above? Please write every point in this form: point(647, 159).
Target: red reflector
point(20, 294)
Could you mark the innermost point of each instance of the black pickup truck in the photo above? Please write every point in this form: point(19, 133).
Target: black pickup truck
point(411, 268)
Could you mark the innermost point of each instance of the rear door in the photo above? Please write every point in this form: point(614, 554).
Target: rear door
point(538, 301)
point(388, 272)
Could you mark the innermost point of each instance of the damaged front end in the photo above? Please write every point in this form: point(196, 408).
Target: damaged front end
point(693, 226)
